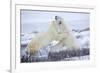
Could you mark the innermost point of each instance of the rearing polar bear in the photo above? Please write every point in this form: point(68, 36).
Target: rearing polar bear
point(57, 31)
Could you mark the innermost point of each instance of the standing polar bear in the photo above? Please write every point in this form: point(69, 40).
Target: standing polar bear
point(57, 31)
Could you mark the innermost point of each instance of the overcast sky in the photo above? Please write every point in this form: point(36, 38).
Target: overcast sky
point(39, 20)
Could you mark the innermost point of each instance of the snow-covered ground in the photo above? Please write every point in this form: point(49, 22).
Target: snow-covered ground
point(26, 38)
point(87, 57)
point(81, 37)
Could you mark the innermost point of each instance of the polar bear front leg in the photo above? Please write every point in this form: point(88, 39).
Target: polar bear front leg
point(70, 43)
point(33, 46)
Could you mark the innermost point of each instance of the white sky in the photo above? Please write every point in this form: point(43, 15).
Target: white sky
point(39, 20)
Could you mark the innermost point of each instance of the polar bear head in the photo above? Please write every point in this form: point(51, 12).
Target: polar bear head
point(59, 23)
point(58, 20)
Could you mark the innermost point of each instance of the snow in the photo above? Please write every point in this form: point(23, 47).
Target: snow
point(84, 39)
point(55, 47)
point(78, 58)
point(26, 38)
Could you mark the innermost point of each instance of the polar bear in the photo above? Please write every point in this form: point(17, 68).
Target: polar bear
point(57, 31)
